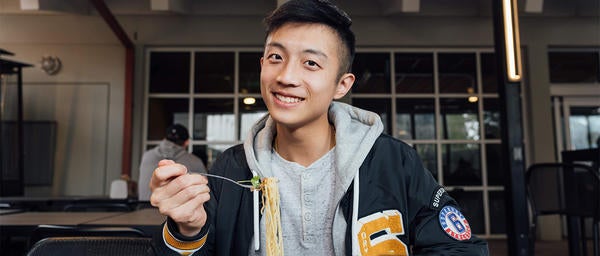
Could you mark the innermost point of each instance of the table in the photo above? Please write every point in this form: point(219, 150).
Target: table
point(25, 222)
point(143, 217)
point(147, 220)
point(9, 211)
point(58, 203)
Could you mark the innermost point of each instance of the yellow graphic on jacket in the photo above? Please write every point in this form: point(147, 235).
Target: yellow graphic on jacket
point(378, 234)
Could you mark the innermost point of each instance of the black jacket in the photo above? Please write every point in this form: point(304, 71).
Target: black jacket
point(393, 183)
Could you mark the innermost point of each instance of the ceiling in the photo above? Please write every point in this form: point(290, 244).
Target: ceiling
point(392, 8)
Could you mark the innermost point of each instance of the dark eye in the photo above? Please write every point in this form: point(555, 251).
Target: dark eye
point(274, 56)
point(312, 64)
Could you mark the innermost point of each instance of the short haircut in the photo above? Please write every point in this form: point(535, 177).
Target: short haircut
point(177, 134)
point(318, 12)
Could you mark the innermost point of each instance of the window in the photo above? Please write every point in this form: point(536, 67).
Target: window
point(574, 65)
point(422, 96)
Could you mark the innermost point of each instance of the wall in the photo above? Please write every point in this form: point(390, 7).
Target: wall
point(92, 56)
point(88, 90)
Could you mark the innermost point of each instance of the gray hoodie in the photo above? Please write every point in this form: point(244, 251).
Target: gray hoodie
point(165, 150)
point(356, 131)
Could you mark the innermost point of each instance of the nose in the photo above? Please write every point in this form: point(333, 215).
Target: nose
point(289, 75)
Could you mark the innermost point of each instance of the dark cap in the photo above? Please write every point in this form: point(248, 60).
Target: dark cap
point(177, 133)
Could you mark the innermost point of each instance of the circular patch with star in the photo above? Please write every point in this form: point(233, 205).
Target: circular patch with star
point(454, 223)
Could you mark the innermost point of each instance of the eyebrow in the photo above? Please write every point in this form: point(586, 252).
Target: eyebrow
point(310, 51)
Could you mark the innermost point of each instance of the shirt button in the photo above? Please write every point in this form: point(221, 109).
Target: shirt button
point(307, 216)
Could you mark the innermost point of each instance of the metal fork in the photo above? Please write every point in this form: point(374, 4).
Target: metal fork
point(239, 183)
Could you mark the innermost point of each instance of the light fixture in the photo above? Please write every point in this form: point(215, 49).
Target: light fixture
point(512, 45)
point(249, 100)
point(472, 97)
point(50, 64)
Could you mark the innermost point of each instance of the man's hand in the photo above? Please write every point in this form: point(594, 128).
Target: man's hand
point(180, 196)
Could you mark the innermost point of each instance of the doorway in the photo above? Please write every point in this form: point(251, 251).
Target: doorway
point(577, 122)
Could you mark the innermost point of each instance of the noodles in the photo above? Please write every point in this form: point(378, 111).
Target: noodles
point(270, 210)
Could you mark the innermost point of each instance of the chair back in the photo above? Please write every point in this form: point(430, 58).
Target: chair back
point(582, 191)
point(562, 188)
point(46, 231)
point(92, 246)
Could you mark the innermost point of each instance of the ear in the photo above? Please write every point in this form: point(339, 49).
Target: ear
point(344, 85)
point(261, 61)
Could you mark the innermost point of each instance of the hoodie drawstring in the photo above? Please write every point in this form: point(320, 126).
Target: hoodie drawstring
point(256, 219)
point(355, 248)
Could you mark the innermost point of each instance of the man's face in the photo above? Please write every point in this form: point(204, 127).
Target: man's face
point(300, 73)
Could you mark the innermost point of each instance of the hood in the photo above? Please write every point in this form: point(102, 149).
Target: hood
point(356, 131)
point(169, 150)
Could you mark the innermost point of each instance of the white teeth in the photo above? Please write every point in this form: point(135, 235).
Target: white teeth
point(287, 99)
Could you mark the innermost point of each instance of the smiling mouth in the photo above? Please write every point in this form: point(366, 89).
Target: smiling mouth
point(288, 99)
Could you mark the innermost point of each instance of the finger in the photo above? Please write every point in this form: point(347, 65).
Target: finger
point(176, 185)
point(192, 212)
point(185, 196)
point(165, 173)
point(165, 162)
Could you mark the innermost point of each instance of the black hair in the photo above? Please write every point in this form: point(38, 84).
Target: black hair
point(320, 12)
point(177, 134)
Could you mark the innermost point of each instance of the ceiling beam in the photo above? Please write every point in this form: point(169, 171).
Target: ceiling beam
point(400, 6)
point(534, 6)
point(66, 6)
point(176, 6)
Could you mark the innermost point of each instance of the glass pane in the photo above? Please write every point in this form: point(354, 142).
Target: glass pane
point(497, 212)
point(209, 153)
point(496, 171)
point(471, 206)
point(169, 72)
point(250, 72)
point(594, 122)
point(459, 119)
point(584, 125)
point(415, 119)
point(579, 132)
point(250, 113)
point(379, 106)
point(491, 118)
point(574, 67)
point(489, 79)
point(457, 72)
point(461, 164)
point(214, 72)
point(428, 154)
point(372, 71)
point(214, 120)
point(414, 72)
point(164, 112)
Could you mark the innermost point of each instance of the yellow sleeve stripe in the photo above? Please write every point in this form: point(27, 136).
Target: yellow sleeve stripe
point(183, 247)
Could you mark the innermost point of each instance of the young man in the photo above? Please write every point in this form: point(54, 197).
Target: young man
point(345, 188)
point(173, 147)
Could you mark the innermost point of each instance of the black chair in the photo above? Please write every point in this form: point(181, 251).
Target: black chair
point(571, 190)
point(92, 246)
point(46, 231)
